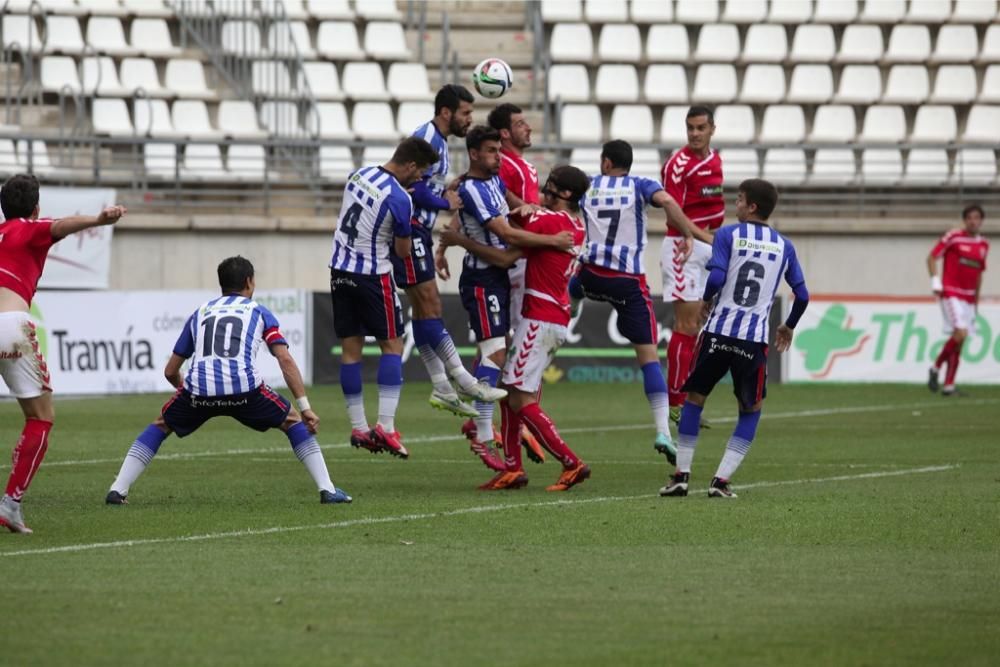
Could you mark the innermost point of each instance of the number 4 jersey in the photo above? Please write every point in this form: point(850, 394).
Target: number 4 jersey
point(753, 258)
point(375, 209)
point(221, 339)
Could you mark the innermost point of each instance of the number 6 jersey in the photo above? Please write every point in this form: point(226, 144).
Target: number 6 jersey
point(375, 209)
point(753, 258)
point(221, 339)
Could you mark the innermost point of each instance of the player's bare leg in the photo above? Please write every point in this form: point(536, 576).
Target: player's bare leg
point(28, 454)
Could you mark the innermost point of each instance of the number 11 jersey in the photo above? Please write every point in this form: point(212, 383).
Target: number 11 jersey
point(375, 209)
point(754, 257)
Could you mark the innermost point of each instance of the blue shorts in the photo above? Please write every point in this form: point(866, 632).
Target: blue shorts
point(486, 298)
point(419, 266)
point(261, 409)
point(746, 361)
point(628, 294)
point(365, 305)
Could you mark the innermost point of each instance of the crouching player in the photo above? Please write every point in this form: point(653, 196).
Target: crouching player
point(748, 261)
point(222, 338)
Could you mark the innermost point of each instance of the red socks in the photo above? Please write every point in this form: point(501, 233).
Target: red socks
point(510, 429)
point(543, 429)
point(680, 352)
point(956, 353)
point(27, 456)
point(945, 354)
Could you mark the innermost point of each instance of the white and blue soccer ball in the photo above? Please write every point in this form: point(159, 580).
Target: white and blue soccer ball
point(492, 78)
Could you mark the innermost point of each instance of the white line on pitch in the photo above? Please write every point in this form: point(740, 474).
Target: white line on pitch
point(479, 509)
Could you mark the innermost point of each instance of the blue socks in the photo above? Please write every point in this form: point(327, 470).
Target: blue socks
point(656, 393)
point(390, 383)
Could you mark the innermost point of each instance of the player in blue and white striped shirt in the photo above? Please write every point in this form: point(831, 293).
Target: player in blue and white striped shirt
point(749, 259)
point(221, 339)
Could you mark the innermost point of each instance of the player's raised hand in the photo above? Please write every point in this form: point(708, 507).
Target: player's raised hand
point(111, 215)
point(311, 420)
point(684, 249)
point(783, 338)
point(564, 241)
point(454, 201)
point(526, 210)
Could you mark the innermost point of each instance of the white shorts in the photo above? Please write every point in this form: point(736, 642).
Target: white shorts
point(684, 281)
point(535, 344)
point(516, 275)
point(958, 314)
point(22, 365)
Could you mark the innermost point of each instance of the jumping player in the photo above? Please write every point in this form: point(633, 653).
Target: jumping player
point(964, 252)
point(221, 339)
point(25, 240)
point(749, 259)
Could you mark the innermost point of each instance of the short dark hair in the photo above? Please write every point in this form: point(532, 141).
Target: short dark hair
point(451, 97)
point(415, 149)
point(234, 273)
point(478, 134)
point(619, 152)
point(699, 110)
point(499, 118)
point(762, 193)
point(973, 207)
point(19, 196)
point(567, 177)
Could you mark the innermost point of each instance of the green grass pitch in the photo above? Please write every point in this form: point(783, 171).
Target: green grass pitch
point(867, 532)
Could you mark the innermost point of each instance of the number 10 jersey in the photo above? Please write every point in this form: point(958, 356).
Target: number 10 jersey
point(754, 257)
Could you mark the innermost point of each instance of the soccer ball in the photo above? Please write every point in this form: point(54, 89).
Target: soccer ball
point(492, 78)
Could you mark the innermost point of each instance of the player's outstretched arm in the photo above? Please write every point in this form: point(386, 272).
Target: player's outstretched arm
point(72, 224)
point(500, 257)
point(519, 237)
point(402, 246)
point(677, 219)
point(293, 378)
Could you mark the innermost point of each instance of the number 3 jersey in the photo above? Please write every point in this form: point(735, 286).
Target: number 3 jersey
point(375, 209)
point(221, 339)
point(753, 258)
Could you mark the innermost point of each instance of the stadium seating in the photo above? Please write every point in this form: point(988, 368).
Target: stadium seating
point(715, 84)
point(697, 12)
point(110, 117)
point(106, 36)
point(21, 31)
point(186, 78)
point(99, 77)
point(884, 123)
point(569, 83)
point(785, 166)
point(289, 39)
point(783, 123)
point(974, 166)
point(246, 162)
point(765, 43)
point(835, 11)
point(152, 118)
point(883, 11)
point(652, 11)
point(238, 120)
point(991, 85)
point(321, 79)
point(665, 84)
point(935, 124)
point(338, 40)
point(956, 44)
point(741, 164)
point(140, 73)
point(926, 166)
point(792, 12)
point(364, 81)
point(907, 84)
point(152, 37)
point(835, 124)
point(861, 44)
point(63, 35)
point(955, 84)
point(408, 82)
point(330, 9)
point(412, 115)
point(620, 43)
point(385, 40)
point(833, 166)
point(813, 44)
point(190, 117)
point(203, 162)
point(160, 160)
point(763, 84)
point(571, 42)
point(374, 121)
point(606, 11)
point(632, 122)
point(748, 11)
point(881, 166)
point(561, 10)
point(580, 122)
point(718, 43)
point(616, 83)
point(859, 84)
point(667, 43)
point(59, 72)
point(974, 11)
point(810, 84)
point(280, 118)
point(335, 162)
point(329, 121)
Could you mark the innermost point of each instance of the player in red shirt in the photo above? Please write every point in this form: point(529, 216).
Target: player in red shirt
point(693, 177)
point(543, 328)
point(964, 252)
point(25, 240)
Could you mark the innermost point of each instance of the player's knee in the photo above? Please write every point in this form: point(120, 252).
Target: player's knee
point(425, 300)
point(494, 349)
point(960, 335)
point(391, 346)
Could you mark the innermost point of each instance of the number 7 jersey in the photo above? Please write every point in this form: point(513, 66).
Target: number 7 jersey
point(754, 257)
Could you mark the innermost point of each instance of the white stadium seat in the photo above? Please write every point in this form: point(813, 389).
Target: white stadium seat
point(884, 123)
point(926, 166)
point(322, 80)
point(974, 11)
point(859, 84)
point(335, 162)
point(246, 162)
point(270, 78)
point(673, 126)
point(148, 8)
point(793, 12)
point(376, 155)
point(338, 40)
point(580, 123)
point(813, 44)
point(990, 92)
point(187, 79)
point(745, 11)
point(631, 122)
point(929, 11)
point(280, 118)
point(835, 11)
point(294, 10)
point(63, 35)
point(956, 44)
point(324, 10)
point(666, 84)
point(982, 123)
point(667, 43)
point(287, 39)
point(606, 11)
point(811, 84)
point(765, 43)
point(140, 73)
point(763, 84)
point(974, 166)
point(881, 166)
point(620, 43)
point(203, 162)
point(954, 84)
point(375, 10)
point(646, 162)
point(785, 166)
point(907, 84)
point(59, 72)
point(241, 38)
point(39, 157)
point(718, 42)
point(835, 124)
point(110, 116)
point(21, 31)
point(935, 123)
point(190, 117)
point(783, 124)
point(385, 40)
point(991, 45)
point(833, 166)
point(101, 78)
point(570, 83)
point(861, 44)
point(909, 44)
point(412, 115)
point(151, 37)
point(9, 164)
point(238, 119)
point(364, 81)
point(571, 42)
point(616, 83)
point(409, 82)
point(328, 120)
point(698, 12)
point(652, 11)
point(715, 84)
point(740, 164)
point(66, 7)
point(883, 11)
point(554, 11)
point(160, 159)
point(734, 124)
point(374, 121)
point(105, 34)
point(588, 159)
